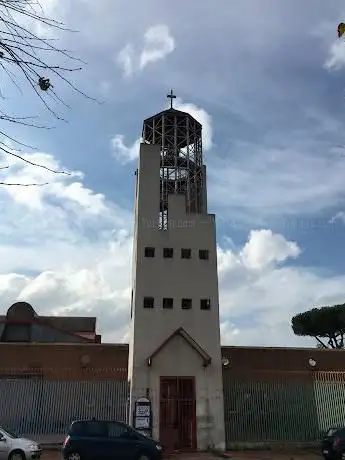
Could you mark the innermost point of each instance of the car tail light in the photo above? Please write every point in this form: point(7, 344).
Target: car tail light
point(336, 443)
point(66, 441)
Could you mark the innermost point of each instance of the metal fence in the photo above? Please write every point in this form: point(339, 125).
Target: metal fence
point(269, 411)
point(43, 410)
point(329, 389)
point(285, 409)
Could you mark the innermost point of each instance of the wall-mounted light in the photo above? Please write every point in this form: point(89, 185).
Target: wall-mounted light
point(225, 362)
point(312, 362)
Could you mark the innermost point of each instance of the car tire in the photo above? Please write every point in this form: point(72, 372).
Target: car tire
point(17, 455)
point(74, 456)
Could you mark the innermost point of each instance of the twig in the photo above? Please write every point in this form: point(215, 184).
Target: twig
point(23, 185)
point(32, 163)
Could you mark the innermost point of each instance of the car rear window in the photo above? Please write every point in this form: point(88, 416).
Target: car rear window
point(92, 429)
point(338, 431)
point(117, 430)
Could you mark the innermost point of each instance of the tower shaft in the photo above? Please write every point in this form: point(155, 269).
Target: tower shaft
point(174, 351)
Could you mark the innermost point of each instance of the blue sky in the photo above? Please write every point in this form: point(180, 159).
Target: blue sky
point(266, 79)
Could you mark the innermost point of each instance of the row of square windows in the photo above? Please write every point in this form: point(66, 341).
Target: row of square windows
point(168, 303)
point(186, 253)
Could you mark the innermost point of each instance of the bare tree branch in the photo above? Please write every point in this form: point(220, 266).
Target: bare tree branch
point(32, 163)
point(27, 58)
point(322, 345)
point(24, 185)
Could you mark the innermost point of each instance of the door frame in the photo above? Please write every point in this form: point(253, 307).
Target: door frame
point(176, 378)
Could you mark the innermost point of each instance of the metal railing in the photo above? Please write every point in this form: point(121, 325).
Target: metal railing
point(329, 390)
point(282, 409)
point(285, 409)
point(38, 408)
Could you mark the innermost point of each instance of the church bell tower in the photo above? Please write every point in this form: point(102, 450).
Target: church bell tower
point(174, 352)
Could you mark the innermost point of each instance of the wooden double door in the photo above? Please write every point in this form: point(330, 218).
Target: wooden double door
point(177, 418)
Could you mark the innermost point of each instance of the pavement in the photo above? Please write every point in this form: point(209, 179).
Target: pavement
point(55, 455)
point(271, 455)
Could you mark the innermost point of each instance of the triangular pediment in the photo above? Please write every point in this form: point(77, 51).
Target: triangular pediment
point(180, 332)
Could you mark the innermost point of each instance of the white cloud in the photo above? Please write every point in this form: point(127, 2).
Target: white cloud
point(100, 287)
point(126, 58)
point(55, 265)
point(63, 186)
point(336, 56)
point(50, 11)
point(258, 300)
point(202, 117)
point(157, 44)
point(339, 216)
point(122, 152)
point(65, 249)
point(265, 248)
point(270, 183)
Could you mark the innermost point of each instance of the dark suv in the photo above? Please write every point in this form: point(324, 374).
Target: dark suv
point(333, 444)
point(107, 440)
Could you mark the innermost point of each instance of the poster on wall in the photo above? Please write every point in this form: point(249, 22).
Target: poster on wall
point(143, 416)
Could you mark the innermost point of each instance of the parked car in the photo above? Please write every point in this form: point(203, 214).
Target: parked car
point(108, 440)
point(13, 447)
point(333, 444)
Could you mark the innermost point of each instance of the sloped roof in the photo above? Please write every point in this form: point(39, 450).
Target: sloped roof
point(21, 318)
point(66, 323)
point(172, 111)
point(71, 323)
point(38, 331)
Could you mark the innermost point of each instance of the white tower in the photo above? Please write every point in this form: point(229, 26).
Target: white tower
point(174, 352)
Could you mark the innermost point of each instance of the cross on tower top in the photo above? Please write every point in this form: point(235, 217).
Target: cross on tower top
point(171, 96)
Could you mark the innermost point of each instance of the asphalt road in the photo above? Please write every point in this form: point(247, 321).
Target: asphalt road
point(55, 455)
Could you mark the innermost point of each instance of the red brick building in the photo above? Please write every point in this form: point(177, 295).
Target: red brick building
point(69, 347)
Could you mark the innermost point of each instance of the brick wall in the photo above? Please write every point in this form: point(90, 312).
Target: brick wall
point(65, 361)
point(288, 364)
point(99, 361)
point(283, 359)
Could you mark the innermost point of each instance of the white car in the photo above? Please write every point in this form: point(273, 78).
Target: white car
point(13, 447)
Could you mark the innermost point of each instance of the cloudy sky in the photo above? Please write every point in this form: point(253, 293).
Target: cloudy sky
point(267, 80)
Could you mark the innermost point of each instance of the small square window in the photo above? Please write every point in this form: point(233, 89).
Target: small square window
point(149, 252)
point(186, 253)
point(168, 302)
point(168, 253)
point(149, 302)
point(203, 254)
point(205, 304)
point(186, 304)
